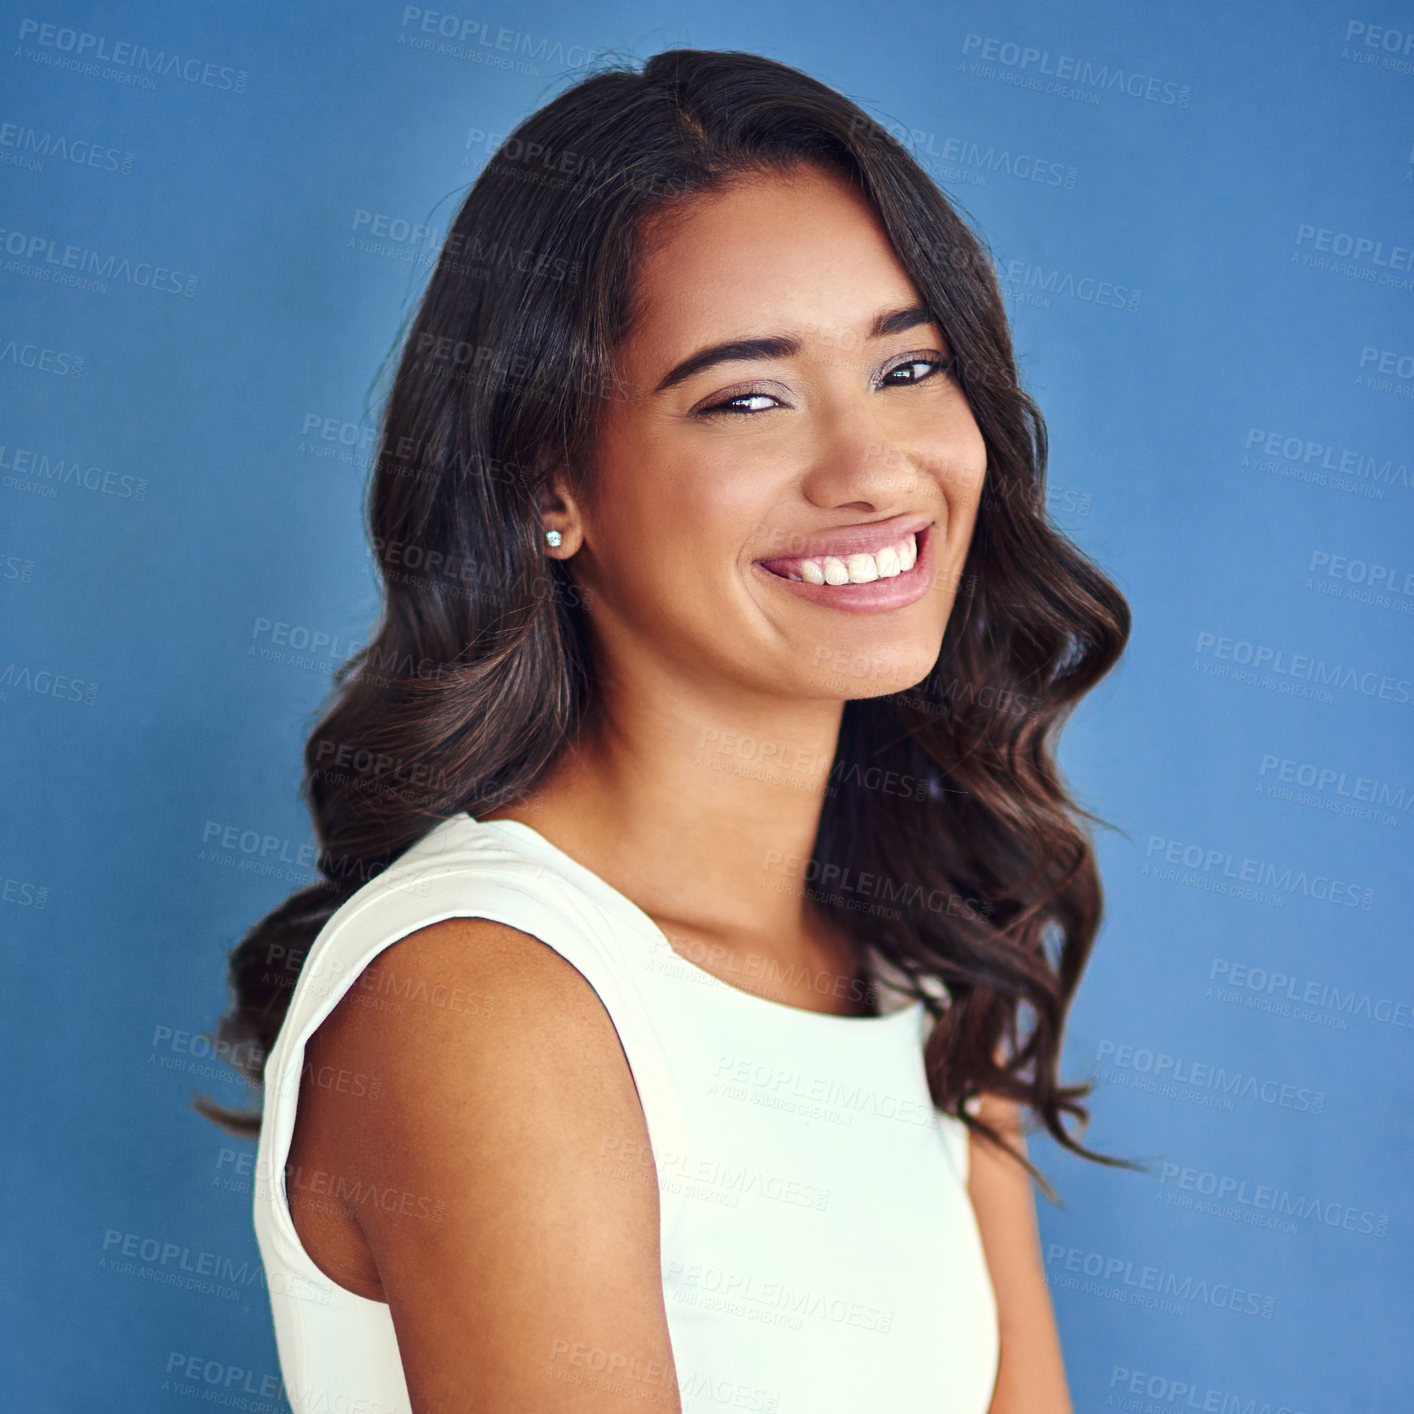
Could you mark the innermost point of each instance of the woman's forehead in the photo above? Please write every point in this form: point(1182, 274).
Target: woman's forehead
point(794, 255)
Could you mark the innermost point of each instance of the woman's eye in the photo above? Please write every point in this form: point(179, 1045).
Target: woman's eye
point(931, 365)
point(910, 371)
point(733, 405)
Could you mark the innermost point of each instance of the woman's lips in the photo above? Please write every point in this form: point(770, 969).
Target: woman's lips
point(877, 595)
point(846, 541)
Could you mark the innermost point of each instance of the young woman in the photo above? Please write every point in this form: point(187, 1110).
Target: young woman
point(702, 905)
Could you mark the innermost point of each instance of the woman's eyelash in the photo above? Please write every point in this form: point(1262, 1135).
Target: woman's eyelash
point(935, 362)
point(726, 405)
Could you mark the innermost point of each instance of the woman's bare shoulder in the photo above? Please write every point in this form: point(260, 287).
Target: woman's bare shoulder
point(497, 1169)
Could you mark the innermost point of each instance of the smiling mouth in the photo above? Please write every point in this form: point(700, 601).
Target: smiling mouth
point(862, 567)
point(862, 582)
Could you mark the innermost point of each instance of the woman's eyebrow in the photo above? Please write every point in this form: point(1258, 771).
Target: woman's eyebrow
point(891, 321)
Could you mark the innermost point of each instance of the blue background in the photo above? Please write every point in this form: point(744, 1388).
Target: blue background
point(1231, 436)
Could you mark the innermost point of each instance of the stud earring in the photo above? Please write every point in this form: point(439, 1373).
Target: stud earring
point(553, 537)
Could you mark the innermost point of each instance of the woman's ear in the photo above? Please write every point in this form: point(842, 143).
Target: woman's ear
point(560, 511)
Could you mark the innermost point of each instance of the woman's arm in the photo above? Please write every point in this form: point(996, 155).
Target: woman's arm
point(1031, 1377)
point(537, 1284)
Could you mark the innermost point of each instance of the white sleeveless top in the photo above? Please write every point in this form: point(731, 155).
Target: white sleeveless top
point(819, 1250)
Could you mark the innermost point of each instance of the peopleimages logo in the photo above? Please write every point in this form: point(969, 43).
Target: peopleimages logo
point(1335, 782)
point(1271, 1198)
point(1276, 989)
point(1260, 873)
point(48, 471)
point(1120, 1277)
point(1312, 453)
point(86, 53)
point(1177, 1071)
point(1304, 668)
point(56, 361)
point(1185, 1394)
point(177, 1264)
point(1026, 59)
point(1028, 278)
point(56, 261)
point(462, 37)
point(225, 1383)
point(31, 148)
point(1357, 247)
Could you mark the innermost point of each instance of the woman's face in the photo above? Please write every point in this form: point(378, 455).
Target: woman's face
point(785, 399)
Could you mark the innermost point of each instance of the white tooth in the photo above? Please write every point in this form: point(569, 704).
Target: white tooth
point(811, 572)
point(835, 570)
point(889, 562)
point(795, 577)
point(909, 556)
point(863, 569)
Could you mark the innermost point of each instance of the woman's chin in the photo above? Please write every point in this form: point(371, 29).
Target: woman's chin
point(866, 669)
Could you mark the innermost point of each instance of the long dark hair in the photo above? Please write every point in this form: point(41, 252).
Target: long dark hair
point(479, 672)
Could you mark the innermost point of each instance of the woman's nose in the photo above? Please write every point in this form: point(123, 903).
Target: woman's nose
point(853, 459)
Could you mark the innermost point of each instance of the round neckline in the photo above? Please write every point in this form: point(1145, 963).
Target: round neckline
point(530, 835)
